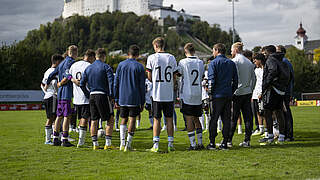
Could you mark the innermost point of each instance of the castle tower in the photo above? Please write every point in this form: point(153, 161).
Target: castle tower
point(301, 38)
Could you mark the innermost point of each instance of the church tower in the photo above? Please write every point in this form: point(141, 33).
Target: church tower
point(301, 38)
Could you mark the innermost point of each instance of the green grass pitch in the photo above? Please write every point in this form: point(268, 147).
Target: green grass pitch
point(23, 154)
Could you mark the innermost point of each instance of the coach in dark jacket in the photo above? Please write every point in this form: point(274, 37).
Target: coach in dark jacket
point(274, 85)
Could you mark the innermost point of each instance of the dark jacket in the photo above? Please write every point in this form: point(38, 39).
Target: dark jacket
point(276, 73)
point(223, 77)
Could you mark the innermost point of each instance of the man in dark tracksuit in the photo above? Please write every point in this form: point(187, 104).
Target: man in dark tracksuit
point(276, 78)
point(223, 82)
point(287, 98)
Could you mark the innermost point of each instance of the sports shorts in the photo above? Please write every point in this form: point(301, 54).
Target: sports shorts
point(159, 107)
point(126, 111)
point(83, 111)
point(50, 105)
point(64, 108)
point(100, 107)
point(191, 110)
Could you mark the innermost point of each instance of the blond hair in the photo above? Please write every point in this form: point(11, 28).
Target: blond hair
point(72, 50)
point(159, 42)
point(189, 47)
point(238, 46)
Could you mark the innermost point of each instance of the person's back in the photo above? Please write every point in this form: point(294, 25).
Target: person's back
point(191, 90)
point(163, 66)
point(132, 82)
point(224, 73)
point(77, 70)
point(98, 79)
point(246, 75)
point(65, 91)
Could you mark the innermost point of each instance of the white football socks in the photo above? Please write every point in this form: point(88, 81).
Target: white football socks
point(123, 129)
point(202, 121)
point(192, 139)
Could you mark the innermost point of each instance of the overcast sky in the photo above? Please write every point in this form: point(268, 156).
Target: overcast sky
point(259, 22)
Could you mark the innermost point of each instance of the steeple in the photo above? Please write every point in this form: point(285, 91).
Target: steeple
point(301, 38)
point(301, 32)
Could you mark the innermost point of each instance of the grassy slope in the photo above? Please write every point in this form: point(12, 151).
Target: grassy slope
point(24, 156)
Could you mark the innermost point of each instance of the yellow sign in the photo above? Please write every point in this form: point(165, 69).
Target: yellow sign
point(316, 56)
point(307, 103)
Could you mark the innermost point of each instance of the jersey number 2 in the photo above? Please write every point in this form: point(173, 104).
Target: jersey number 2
point(194, 83)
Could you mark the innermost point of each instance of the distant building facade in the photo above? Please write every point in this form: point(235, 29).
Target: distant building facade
point(154, 8)
point(311, 47)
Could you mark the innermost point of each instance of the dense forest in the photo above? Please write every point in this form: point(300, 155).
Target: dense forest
point(23, 63)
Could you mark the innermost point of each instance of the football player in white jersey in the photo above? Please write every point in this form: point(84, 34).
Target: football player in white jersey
point(50, 97)
point(80, 100)
point(191, 70)
point(162, 70)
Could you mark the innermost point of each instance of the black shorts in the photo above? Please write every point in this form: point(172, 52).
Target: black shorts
point(100, 107)
point(158, 107)
point(148, 107)
point(272, 100)
point(191, 110)
point(50, 105)
point(83, 111)
point(126, 111)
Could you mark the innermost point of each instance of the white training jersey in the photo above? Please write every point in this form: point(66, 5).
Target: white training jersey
point(52, 87)
point(162, 66)
point(148, 91)
point(77, 70)
point(191, 70)
point(205, 94)
point(258, 88)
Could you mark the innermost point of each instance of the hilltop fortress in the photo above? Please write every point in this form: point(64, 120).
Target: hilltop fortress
point(154, 8)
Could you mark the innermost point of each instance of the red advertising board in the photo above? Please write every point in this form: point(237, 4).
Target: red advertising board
point(19, 107)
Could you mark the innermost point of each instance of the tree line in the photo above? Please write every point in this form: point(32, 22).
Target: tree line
point(23, 63)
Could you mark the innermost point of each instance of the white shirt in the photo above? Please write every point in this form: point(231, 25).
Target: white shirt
point(247, 78)
point(258, 88)
point(191, 70)
point(148, 91)
point(52, 87)
point(76, 70)
point(204, 82)
point(162, 66)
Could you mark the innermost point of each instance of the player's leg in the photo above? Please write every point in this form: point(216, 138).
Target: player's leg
point(95, 116)
point(196, 114)
point(148, 108)
point(133, 113)
point(215, 110)
point(67, 111)
point(168, 113)
point(124, 114)
point(191, 133)
point(236, 102)
point(117, 118)
point(107, 114)
point(51, 116)
point(239, 122)
point(84, 111)
point(248, 119)
point(226, 120)
point(138, 121)
point(157, 115)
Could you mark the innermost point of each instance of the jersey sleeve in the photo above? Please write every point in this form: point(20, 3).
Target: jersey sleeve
point(174, 65)
point(149, 64)
point(110, 78)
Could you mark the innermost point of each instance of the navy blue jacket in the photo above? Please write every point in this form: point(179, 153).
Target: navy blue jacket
point(99, 77)
point(223, 77)
point(129, 83)
point(289, 90)
point(65, 91)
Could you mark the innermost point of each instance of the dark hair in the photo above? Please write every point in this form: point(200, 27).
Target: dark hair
point(56, 58)
point(221, 48)
point(261, 57)
point(134, 50)
point(270, 49)
point(189, 47)
point(90, 53)
point(159, 42)
point(100, 52)
point(282, 49)
point(248, 54)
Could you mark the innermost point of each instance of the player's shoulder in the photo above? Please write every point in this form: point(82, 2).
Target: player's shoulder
point(49, 70)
